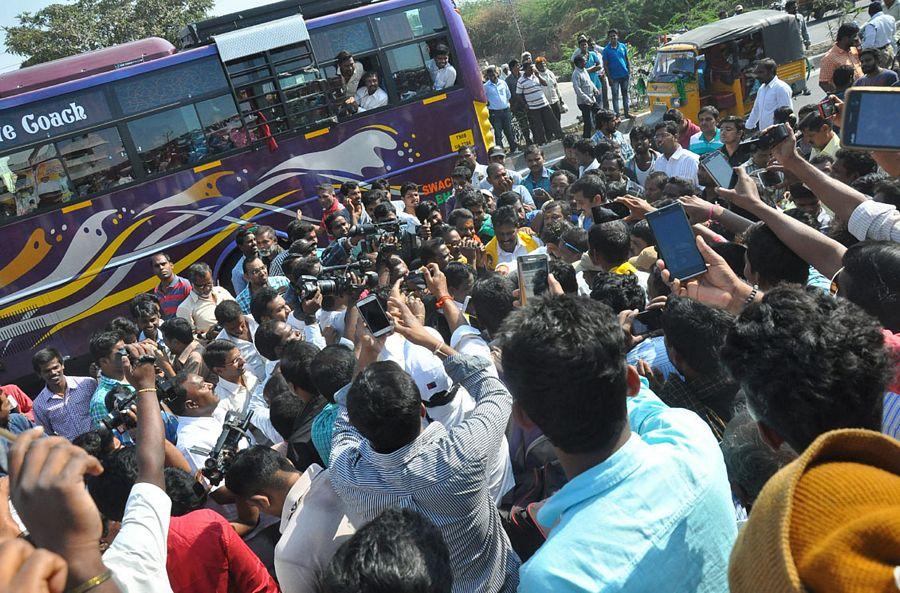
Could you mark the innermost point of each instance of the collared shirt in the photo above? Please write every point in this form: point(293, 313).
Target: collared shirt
point(772, 95)
point(137, 557)
point(314, 524)
point(585, 91)
point(352, 85)
point(657, 515)
point(551, 91)
point(875, 221)
point(617, 138)
point(200, 312)
point(238, 283)
point(368, 101)
point(233, 397)
point(66, 415)
point(275, 268)
point(531, 89)
point(682, 163)
point(252, 357)
point(443, 475)
point(711, 398)
point(616, 60)
point(830, 149)
point(739, 156)
point(279, 283)
point(172, 295)
point(543, 183)
point(311, 333)
point(498, 95)
point(495, 256)
point(590, 60)
point(206, 554)
point(584, 169)
point(443, 78)
point(97, 407)
point(837, 57)
point(700, 145)
point(878, 32)
point(199, 434)
point(16, 424)
point(893, 10)
point(321, 430)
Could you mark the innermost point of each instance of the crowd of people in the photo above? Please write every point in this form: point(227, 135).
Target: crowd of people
point(261, 431)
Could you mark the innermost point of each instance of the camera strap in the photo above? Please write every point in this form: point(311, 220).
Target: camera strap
point(442, 398)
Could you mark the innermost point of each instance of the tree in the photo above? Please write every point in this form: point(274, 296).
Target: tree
point(61, 30)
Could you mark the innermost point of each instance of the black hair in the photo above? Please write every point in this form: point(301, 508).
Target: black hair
point(642, 132)
point(584, 146)
point(553, 231)
point(329, 222)
point(843, 76)
point(267, 338)
point(284, 409)
point(110, 489)
point(295, 365)
point(710, 110)
point(696, 332)
point(215, 353)
point(685, 187)
point(847, 30)
point(565, 274)
point(803, 216)
point(178, 328)
point(383, 210)
point(259, 303)
point(505, 216)
point(564, 363)
point(809, 363)
point(655, 285)
point(144, 305)
point(604, 115)
point(384, 404)
point(403, 552)
point(343, 56)
point(813, 122)
point(198, 270)
point(256, 469)
point(45, 356)
point(589, 186)
point(672, 115)
point(492, 298)
point(459, 215)
point(97, 442)
point(621, 292)
point(470, 197)
point(429, 251)
point(102, 344)
point(668, 125)
point(856, 161)
point(458, 273)
point(569, 140)
point(508, 198)
point(867, 183)
point(184, 491)
point(125, 327)
point(228, 312)
point(424, 210)
point(611, 241)
point(332, 368)
point(600, 149)
point(771, 259)
point(889, 191)
point(641, 230)
point(739, 122)
point(733, 254)
point(372, 196)
point(874, 270)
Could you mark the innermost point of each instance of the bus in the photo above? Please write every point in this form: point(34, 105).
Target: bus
point(151, 149)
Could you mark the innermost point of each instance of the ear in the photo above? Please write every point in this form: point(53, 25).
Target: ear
point(260, 501)
point(521, 417)
point(632, 380)
point(769, 436)
point(190, 404)
point(422, 410)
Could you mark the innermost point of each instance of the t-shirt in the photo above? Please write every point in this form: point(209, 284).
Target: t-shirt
point(616, 59)
point(884, 78)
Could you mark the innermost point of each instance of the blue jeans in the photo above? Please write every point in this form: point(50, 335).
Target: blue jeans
point(615, 85)
point(501, 119)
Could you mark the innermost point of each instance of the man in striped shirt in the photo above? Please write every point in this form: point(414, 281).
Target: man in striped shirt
point(62, 406)
point(381, 457)
point(530, 86)
point(171, 289)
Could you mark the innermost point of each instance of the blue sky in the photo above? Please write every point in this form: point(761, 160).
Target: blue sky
point(10, 8)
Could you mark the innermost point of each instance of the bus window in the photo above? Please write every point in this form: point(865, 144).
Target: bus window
point(221, 123)
point(169, 140)
point(408, 24)
point(414, 71)
point(96, 161)
point(355, 37)
point(170, 85)
point(33, 179)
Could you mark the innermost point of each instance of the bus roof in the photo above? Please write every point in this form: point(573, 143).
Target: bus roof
point(83, 65)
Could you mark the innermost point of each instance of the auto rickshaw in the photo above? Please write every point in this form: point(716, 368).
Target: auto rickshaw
point(713, 64)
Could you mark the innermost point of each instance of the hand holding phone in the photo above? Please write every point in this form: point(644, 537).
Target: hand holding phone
point(531, 270)
point(374, 316)
point(720, 170)
point(675, 241)
point(870, 118)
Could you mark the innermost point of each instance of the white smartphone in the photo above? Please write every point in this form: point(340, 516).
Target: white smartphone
point(374, 316)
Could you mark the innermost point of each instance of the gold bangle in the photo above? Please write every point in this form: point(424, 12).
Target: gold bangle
point(147, 390)
point(91, 583)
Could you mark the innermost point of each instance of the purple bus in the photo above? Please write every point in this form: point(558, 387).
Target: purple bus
point(154, 150)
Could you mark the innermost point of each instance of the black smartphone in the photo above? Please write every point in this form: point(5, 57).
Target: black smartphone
point(416, 279)
point(718, 167)
point(374, 316)
point(603, 213)
point(770, 178)
point(532, 271)
point(647, 321)
point(867, 120)
point(675, 241)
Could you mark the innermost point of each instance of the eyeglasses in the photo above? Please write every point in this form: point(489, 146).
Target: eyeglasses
point(835, 287)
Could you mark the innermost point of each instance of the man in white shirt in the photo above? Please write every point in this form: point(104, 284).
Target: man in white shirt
point(314, 521)
point(200, 305)
point(443, 75)
point(200, 417)
point(773, 93)
point(879, 32)
point(466, 155)
point(584, 154)
point(240, 329)
point(674, 161)
point(370, 95)
point(500, 182)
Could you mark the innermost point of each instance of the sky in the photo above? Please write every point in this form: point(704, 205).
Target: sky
point(10, 8)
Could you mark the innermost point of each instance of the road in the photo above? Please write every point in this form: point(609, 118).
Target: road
point(821, 34)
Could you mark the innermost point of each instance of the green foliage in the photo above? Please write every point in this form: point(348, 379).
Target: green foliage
point(61, 30)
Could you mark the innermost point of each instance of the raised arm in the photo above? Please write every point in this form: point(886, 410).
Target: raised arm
point(151, 433)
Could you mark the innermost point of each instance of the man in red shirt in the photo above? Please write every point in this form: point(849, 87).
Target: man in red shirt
point(23, 404)
point(686, 127)
point(330, 204)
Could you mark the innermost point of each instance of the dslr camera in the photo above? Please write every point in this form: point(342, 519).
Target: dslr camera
point(337, 280)
point(390, 227)
point(119, 401)
point(768, 139)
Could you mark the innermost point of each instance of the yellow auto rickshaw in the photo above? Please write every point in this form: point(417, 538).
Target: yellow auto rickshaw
point(713, 64)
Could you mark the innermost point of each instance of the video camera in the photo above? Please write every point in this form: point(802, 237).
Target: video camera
point(336, 280)
point(390, 227)
point(235, 427)
point(120, 400)
point(768, 139)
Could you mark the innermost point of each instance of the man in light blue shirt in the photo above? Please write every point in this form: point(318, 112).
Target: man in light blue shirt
point(498, 96)
point(615, 61)
point(648, 505)
point(608, 131)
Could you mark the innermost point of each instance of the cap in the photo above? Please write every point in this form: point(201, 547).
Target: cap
point(496, 151)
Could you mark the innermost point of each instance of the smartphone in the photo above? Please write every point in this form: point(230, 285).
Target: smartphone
point(675, 241)
point(827, 108)
point(867, 120)
point(601, 214)
point(770, 178)
point(647, 321)
point(718, 167)
point(374, 316)
point(529, 268)
point(416, 279)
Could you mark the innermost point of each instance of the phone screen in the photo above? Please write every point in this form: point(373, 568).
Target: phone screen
point(675, 240)
point(374, 316)
point(529, 268)
point(770, 178)
point(646, 322)
point(719, 169)
point(865, 121)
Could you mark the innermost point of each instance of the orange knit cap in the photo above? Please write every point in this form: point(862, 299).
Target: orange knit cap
point(828, 522)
